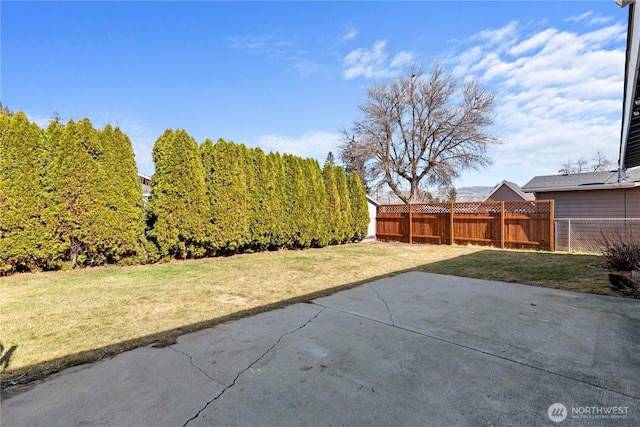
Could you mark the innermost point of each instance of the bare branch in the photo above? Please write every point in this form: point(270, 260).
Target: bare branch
point(420, 130)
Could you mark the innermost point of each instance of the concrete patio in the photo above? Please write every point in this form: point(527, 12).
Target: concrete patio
point(412, 349)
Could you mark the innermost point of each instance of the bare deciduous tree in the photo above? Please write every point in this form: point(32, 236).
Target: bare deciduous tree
point(567, 168)
point(601, 163)
point(581, 165)
point(420, 130)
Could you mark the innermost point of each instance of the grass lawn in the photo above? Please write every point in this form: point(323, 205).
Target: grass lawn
point(61, 319)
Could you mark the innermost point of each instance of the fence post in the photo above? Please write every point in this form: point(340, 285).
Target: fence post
point(569, 235)
point(410, 226)
point(451, 209)
point(551, 226)
point(502, 225)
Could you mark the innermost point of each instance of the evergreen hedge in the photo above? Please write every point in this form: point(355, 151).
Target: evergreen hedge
point(70, 196)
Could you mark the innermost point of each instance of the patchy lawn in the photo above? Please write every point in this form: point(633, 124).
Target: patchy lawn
point(61, 319)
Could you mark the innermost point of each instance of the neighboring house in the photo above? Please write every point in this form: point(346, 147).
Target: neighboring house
point(373, 211)
point(590, 206)
point(507, 191)
point(590, 194)
point(145, 183)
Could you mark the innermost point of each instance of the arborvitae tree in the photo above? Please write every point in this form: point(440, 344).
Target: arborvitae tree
point(317, 194)
point(123, 196)
point(345, 207)
point(262, 192)
point(253, 197)
point(178, 208)
point(25, 240)
point(206, 156)
point(228, 199)
point(334, 217)
point(5, 111)
point(277, 214)
point(307, 222)
point(82, 200)
point(294, 193)
point(359, 207)
point(58, 243)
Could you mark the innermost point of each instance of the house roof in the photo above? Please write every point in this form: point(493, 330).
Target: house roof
point(630, 132)
point(514, 187)
point(373, 201)
point(582, 181)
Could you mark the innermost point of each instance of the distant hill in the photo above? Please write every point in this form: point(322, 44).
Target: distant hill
point(473, 194)
point(465, 194)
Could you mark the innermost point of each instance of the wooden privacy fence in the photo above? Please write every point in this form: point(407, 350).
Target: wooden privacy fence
point(513, 224)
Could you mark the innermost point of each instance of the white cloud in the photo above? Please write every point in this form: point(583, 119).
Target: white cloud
point(374, 63)
point(260, 44)
point(304, 66)
point(274, 48)
point(590, 19)
point(501, 37)
point(533, 42)
point(599, 20)
point(402, 59)
point(559, 93)
point(579, 18)
point(349, 35)
point(315, 144)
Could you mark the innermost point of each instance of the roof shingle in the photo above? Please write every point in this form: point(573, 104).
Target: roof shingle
point(579, 180)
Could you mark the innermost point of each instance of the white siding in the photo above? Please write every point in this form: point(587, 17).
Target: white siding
point(371, 232)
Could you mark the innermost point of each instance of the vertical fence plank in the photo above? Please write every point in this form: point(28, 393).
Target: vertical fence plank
point(452, 234)
point(502, 230)
point(410, 226)
point(551, 221)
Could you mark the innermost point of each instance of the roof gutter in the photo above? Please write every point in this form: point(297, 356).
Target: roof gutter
point(611, 186)
point(630, 80)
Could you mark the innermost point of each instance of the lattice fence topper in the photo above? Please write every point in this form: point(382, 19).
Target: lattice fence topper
point(487, 208)
point(527, 207)
point(429, 208)
point(393, 209)
point(432, 208)
point(477, 208)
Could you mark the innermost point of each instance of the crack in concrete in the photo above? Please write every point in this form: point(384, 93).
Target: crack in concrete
point(219, 395)
point(385, 304)
point(198, 367)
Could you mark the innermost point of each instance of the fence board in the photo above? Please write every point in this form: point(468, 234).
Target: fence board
point(516, 224)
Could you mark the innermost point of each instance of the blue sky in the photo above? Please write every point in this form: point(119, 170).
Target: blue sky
point(288, 76)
